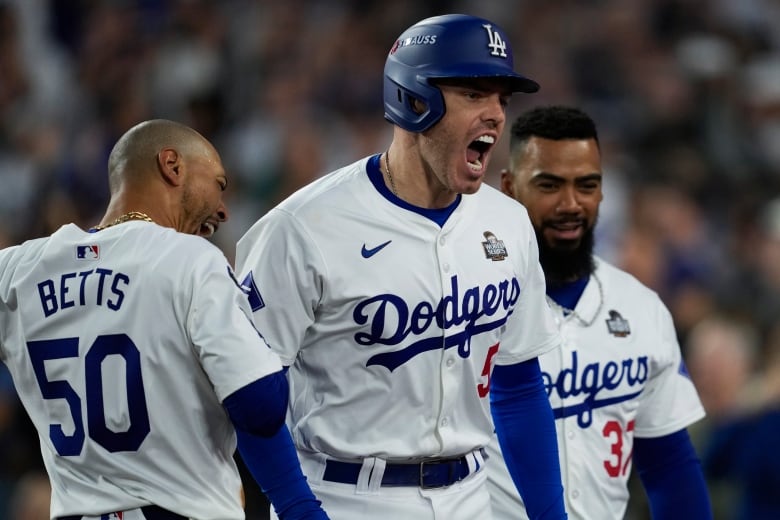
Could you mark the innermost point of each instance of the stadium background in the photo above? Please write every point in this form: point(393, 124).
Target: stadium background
point(686, 94)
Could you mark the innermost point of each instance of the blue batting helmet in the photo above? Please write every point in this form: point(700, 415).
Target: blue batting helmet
point(448, 46)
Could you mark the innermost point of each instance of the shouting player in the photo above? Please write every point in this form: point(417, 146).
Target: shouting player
point(393, 286)
point(132, 346)
point(618, 387)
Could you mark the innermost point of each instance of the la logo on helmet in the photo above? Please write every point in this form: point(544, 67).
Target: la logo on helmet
point(497, 44)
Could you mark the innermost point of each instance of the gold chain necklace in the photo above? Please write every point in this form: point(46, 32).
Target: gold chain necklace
point(132, 215)
point(389, 174)
point(571, 312)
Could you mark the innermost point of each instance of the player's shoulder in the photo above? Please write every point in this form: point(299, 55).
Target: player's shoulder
point(332, 189)
point(167, 252)
point(490, 197)
point(32, 249)
point(20, 259)
point(192, 247)
point(622, 282)
point(26, 248)
point(504, 216)
point(12, 256)
point(330, 195)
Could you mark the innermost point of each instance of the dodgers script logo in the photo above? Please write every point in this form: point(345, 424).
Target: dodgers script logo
point(592, 379)
point(459, 308)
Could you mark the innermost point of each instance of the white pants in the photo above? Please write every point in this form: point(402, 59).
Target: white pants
point(467, 499)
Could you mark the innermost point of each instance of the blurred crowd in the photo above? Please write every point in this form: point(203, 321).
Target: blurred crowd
point(686, 94)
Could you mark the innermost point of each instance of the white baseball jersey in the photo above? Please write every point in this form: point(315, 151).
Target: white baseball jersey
point(122, 345)
point(619, 378)
point(391, 323)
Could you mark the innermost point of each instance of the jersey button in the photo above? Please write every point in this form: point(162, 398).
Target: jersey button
point(444, 422)
point(445, 267)
point(570, 434)
point(575, 494)
point(450, 362)
point(442, 241)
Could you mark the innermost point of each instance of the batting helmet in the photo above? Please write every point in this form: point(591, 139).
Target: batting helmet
point(448, 46)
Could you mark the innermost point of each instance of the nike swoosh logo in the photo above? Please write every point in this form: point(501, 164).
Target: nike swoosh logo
point(368, 253)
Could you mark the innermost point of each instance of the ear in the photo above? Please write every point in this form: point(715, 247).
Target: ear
point(169, 162)
point(418, 106)
point(507, 186)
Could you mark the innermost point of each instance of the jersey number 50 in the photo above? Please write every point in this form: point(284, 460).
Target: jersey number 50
point(104, 346)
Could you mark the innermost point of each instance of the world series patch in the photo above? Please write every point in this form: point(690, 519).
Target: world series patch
point(617, 325)
point(494, 248)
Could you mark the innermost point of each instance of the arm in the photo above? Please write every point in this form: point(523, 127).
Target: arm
point(525, 428)
point(672, 477)
point(260, 407)
point(274, 464)
point(266, 447)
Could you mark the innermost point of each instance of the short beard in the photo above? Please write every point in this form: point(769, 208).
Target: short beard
point(563, 266)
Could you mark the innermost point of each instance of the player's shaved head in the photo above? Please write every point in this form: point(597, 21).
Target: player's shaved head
point(170, 173)
point(135, 153)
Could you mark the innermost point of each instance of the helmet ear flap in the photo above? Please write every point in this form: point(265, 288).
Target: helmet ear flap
point(414, 111)
point(419, 106)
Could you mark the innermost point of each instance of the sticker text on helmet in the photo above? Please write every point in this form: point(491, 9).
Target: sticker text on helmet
point(422, 39)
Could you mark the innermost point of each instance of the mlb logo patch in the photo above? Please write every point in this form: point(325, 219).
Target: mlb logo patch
point(91, 252)
point(113, 516)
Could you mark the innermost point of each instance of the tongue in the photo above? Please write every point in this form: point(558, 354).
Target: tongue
point(472, 155)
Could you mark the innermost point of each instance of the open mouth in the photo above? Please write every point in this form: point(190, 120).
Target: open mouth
point(567, 230)
point(207, 229)
point(477, 149)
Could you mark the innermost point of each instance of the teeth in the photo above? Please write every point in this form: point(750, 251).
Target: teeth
point(486, 139)
point(210, 229)
point(476, 165)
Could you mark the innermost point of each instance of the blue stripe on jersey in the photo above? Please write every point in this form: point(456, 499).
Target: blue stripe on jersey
point(438, 215)
point(584, 410)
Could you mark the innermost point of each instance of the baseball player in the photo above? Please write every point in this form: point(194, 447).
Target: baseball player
point(618, 387)
point(132, 346)
point(393, 286)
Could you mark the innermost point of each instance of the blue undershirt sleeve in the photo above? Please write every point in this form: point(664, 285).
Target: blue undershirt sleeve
point(258, 411)
point(260, 407)
point(274, 464)
point(525, 428)
point(672, 476)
